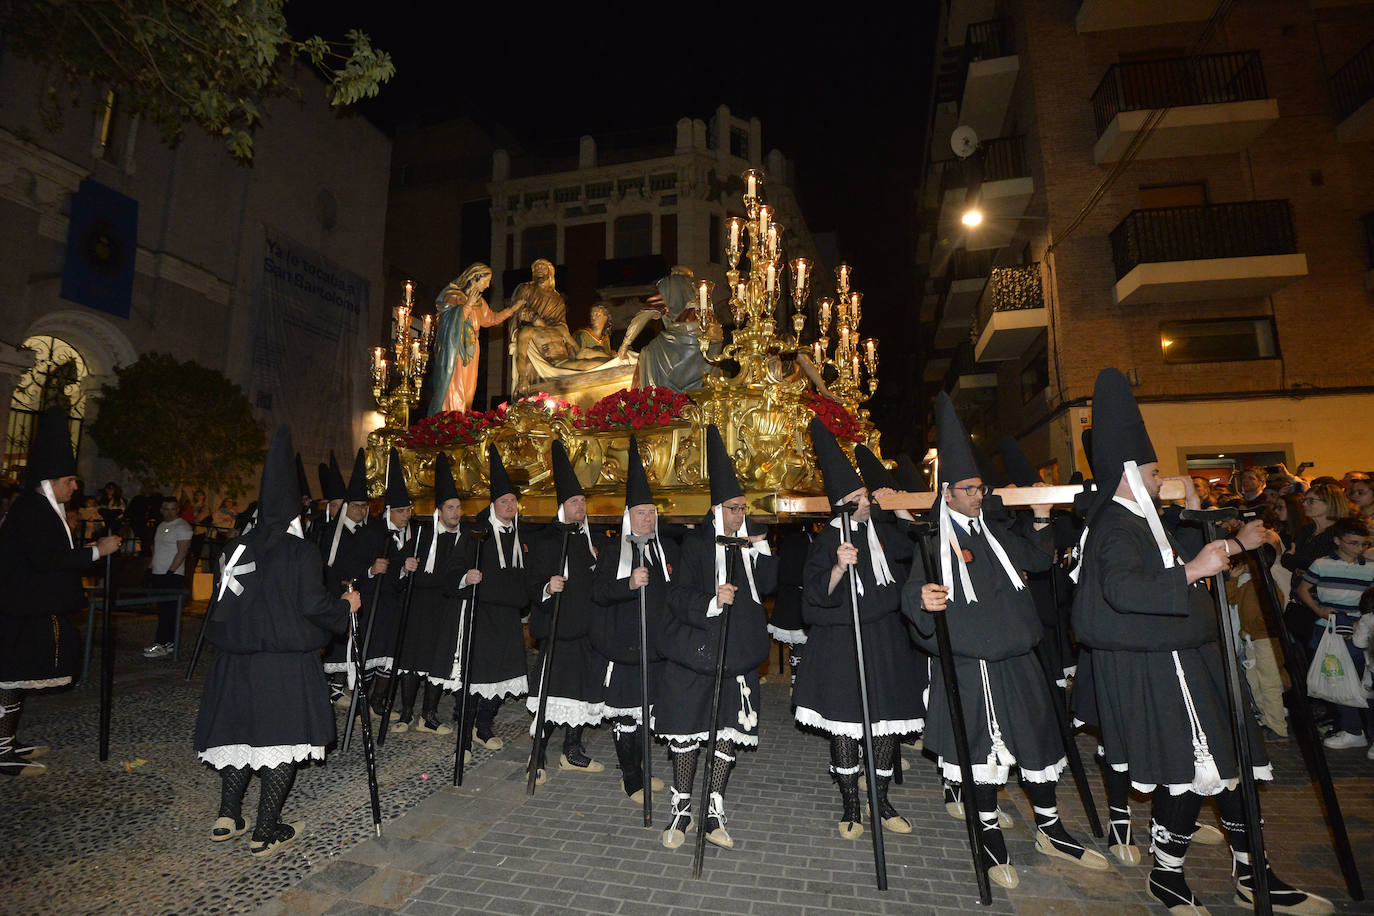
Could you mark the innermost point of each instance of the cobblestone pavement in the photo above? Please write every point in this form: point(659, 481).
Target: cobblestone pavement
point(129, 835)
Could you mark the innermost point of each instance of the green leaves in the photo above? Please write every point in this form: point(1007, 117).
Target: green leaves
point(170, 423)
point(211, 63)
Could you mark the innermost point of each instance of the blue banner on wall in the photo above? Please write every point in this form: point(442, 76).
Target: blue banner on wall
point(102, 241)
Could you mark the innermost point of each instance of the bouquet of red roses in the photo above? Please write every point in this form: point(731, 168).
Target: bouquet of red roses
point(450, 427)
point(839, 421)
point(636, 408)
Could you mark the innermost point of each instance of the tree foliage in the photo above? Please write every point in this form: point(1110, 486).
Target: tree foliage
point(178, 424)
point(207, 62)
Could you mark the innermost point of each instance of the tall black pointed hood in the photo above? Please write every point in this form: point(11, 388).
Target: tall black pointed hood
point(565, 482)
point(397, 496)
point(637, 492)
point(302, 482)
point(840, 477)
point(875, 474)
point(720, 469)
point(957, 461)
point(444, 486)
point(497, 476)
point(50, 449)
point(279, 495)
point(1086, 437)
point(1017, 464)
point(908, 475)
point(332, 484)
point(1118, 432)
point(357, 484)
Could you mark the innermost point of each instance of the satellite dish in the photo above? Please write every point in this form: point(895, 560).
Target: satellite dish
point(964, 141)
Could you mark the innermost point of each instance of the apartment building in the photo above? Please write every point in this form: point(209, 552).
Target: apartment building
point(1183, 189)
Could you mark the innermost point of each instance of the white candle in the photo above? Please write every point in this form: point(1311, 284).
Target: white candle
point(801, 273)
point(753, 186)
point(772, 276)
point(734, 233)
point(701, 296)
point(764, 214)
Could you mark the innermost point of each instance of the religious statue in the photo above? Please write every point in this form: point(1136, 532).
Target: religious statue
point(541, 325)
point(673, 359)
point(462, 315)
point(595, 340)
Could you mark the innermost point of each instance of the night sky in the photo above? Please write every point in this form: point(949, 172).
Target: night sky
point(843, 94)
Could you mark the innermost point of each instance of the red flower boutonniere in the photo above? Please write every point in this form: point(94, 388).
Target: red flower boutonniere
point(968, 555)
point(670, 568)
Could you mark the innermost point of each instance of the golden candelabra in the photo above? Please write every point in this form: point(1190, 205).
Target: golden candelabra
point(849, 357)
point(396, 383)
point(754, 296)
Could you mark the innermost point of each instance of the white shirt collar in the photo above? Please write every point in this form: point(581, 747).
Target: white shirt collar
point(965, 521)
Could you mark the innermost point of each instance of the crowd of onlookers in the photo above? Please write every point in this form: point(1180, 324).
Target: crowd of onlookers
point(1319, 534)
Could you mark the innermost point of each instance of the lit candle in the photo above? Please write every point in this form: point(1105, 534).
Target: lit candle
point(854, 366)
point(415, 352)
point(823, 314)
point(854, 299)
point(382, 374)
point(410, 290)
point(765, 216)
point(771, 276)
point(799, 268)
point(377, 360)
point(701, 296)
point(734, 232)
point(753, 184)
point(740, 291)
point(869, 345)
point(818, 352)
point(429, 327)
point(842, 275)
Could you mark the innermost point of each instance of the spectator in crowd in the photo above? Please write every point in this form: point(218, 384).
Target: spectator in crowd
point(112, 497)
point(1322, 506)
point(171, 544)
point(1203, 487)
point(223, 518)
point(1250, 486)
point(1364, 639)
point(1332, 588)
point(89, 516)
point(1352, 476)
point(197, 510)
point(1360, 493)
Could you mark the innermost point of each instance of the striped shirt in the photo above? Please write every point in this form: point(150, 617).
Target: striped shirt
point(1338, 584)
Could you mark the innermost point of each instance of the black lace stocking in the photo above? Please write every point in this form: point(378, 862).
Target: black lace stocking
point(233, 783)
point(273, 786)
point(684, 767)
point(844, 765)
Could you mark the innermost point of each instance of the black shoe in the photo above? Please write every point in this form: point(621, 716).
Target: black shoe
point(1172, 891)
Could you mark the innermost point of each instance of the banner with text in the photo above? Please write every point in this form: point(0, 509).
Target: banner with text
point(308, 354)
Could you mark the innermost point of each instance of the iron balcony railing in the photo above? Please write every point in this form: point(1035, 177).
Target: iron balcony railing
point(1234, 76)
point(1236, 230)
point(1353, 84)
point(970, 265)
point(982, 41)
point(999, 159)
point(1009, 289)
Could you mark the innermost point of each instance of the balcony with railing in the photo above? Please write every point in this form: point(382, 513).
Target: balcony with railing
point(1352, 94)
point(1216, 103)
point(1011, 314)
point(987, 75)
point(1215, 251)
point(968, 274)
point(998, 180)
point(1102, 15)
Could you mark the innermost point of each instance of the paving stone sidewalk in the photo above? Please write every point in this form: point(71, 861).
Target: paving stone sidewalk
point(129, 835)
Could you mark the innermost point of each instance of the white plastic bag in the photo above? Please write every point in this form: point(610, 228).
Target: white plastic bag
point(1332, 675)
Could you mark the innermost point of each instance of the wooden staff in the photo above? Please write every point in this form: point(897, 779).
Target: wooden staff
point(1306, 728)
point(393, 679)
point(732, 547)
point(646, 757)
point(1235, 702)
point(369, 752)
point(956, 714)
point(546, 666)
point(479, 534)
point(360, 663)
point(870, 763)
